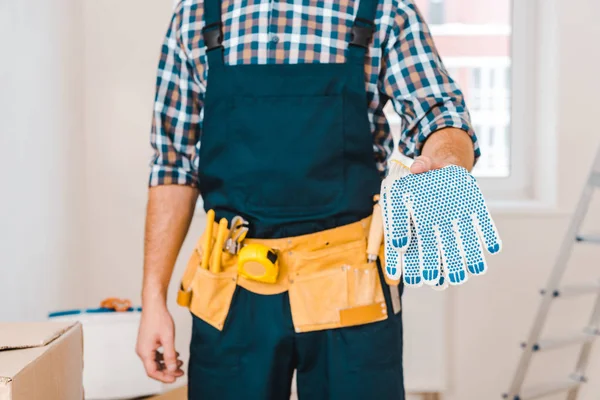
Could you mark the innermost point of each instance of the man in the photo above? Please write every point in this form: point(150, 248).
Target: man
point(273, 110)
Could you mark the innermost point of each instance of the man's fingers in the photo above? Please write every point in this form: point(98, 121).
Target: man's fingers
point(153, 370)
point(421, 164)
point(151, 367)
point(425, 163)
point(161, 364)
point(162, 367)
point(155, 367)
point(169, 353)
point(159, 355)
point(179, 372)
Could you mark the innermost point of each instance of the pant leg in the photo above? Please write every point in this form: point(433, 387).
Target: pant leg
point(252, 358)
point(360, 362)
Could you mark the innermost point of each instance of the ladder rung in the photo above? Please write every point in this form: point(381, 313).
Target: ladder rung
point(555, 343)
point(577, 289)
point(545, 390)
point(589, 238)
point(595, 179)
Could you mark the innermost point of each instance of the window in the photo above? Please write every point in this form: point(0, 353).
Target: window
point(475, 43)
point(474, 89)
point(436, 12)
point(489, 48)
point(488, 96)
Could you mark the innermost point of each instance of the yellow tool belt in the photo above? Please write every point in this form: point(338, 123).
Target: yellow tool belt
point(329, 280)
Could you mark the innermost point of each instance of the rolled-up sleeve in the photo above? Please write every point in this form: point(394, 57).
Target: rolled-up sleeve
point(178, 102)
point(416, 81)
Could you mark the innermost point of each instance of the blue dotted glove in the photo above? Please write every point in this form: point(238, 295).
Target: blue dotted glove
point(434, 224)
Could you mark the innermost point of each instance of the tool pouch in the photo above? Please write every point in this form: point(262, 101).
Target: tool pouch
point(335, 287)
point(211, 296)
point(206, 294)
point(329, 281)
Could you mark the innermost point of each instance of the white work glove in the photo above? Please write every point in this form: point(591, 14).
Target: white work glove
point(434, 224)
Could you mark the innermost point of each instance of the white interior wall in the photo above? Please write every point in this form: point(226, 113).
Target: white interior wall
point(121, 56)
point(42, 166)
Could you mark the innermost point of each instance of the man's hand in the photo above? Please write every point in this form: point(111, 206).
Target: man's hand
point(158, 331)
point(170, 211)
point(445, 147)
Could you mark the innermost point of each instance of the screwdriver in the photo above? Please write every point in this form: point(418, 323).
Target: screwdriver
point(215, 265)
point(208, 238)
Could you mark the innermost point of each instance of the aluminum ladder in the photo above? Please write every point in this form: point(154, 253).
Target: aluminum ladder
point(585, 338)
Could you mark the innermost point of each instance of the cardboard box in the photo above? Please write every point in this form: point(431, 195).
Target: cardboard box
point(41, 361)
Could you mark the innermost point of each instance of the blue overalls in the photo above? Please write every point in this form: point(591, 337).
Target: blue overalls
point(289, 148)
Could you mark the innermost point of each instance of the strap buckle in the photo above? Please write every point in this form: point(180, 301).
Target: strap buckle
point(362, 35)
point(213, 36)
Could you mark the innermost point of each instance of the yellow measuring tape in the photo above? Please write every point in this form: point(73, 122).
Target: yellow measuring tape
point(258, 262)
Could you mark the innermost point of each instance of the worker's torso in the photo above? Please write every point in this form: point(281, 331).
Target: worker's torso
point(295, 32)
point(288, 146)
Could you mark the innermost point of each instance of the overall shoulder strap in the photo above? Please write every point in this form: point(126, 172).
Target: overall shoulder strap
point(362, 31)
point(213, 33)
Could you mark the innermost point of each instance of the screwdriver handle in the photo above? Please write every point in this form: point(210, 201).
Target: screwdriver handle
point(215, 265)
point(208, 238)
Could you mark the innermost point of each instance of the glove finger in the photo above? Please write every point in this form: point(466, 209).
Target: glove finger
point(399, 217)
point(482, 220)
point(411, 263)
point(452, 259)
point(384, 196)
point(384, 203)
point(429, 252)
point(385, 216)
point(487, 231)
point(442, 283)
point(471, 244)
point(393, 270)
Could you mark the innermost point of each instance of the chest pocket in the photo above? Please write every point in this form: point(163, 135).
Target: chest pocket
point(294, 148)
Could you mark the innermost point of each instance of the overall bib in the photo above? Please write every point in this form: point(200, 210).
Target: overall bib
point(289, 148)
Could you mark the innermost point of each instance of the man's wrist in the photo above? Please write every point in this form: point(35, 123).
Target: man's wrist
point(154, 294)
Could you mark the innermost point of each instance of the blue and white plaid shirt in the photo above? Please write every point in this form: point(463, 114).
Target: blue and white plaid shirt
point(403, 66)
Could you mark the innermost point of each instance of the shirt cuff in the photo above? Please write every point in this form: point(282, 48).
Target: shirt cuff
point(445, 119)
point(167, 175)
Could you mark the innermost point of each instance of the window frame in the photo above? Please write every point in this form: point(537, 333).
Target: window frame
point(517, 186)
point(532, 185)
